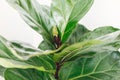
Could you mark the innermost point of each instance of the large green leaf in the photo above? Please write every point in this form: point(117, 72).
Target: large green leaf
point(105, 65)
point(79, 31)
point(35, 15)
point(107, 41)
point(67, 13)
point(26, 74)
point(73, 49)
point(18, 55)
point(101, 31)
point(83, 48)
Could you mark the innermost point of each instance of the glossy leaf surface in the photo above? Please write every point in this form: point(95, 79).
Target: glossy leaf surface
point(26, 74)
point(36, 16)
point(18, 55)
point(67, 13)
point(103, 66)
point(76, 35)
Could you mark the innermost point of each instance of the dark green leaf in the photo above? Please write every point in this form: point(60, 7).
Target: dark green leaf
point(26, 74)
point(45, 46)
point(104, 65)
point(77, 34)
point(101, 31)
point(67, 13)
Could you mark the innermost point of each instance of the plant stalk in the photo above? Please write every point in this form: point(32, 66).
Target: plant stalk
point(58, 66)
point(58, 44)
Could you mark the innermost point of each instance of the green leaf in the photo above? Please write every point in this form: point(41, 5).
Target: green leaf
point(106, 41)
point(104, 65)
point(83, 48)
point(2, 70)
point(36, 16)
point(45, 46)
point(19, 55)
point(67, 13)
point(26, 74)
point(77, 34)
point(101, 31)
point(73, 49)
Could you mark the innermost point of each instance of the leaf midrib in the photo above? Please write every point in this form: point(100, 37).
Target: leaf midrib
point(93, 73)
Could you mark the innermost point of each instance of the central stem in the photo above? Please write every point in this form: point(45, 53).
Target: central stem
point(58, 66)
point(57, 41)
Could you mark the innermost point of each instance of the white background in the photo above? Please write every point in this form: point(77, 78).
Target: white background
point(12, 27)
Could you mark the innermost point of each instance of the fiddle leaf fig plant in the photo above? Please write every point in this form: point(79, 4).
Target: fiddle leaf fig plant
point(69, 51)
